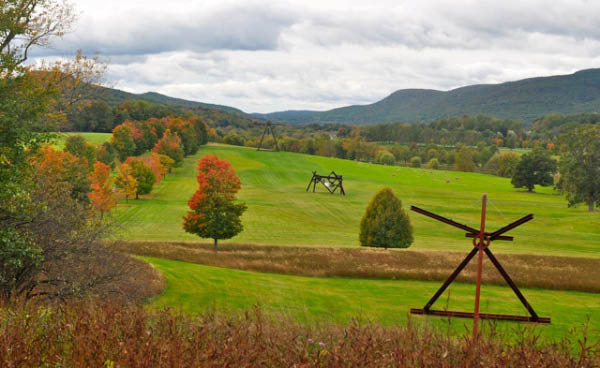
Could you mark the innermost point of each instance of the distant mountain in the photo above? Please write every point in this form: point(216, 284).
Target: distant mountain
point(524, 100)
point(115, 96)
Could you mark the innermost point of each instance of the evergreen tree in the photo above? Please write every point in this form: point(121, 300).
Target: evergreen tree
point(385, 224)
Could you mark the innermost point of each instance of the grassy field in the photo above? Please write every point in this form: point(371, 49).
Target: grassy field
point(93, 138)
point(280, 211)
point(193, 288)
point(527, 270)
point(518, 151)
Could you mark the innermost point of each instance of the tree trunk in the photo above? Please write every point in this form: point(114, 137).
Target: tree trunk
point(215, 245)
point(137, 195)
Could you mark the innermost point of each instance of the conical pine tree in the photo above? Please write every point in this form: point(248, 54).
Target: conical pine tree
point(385, 224)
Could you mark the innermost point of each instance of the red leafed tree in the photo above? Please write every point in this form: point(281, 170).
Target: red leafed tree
point(214, 213)
point(101, 195)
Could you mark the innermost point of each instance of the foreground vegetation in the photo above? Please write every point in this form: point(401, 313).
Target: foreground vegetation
point(281, 212)
point(110, 335)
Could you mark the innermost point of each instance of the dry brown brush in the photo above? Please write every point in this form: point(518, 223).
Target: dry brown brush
point(548, 272)
point(110, 335)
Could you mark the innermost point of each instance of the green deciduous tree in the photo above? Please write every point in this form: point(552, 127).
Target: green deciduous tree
point(123, 142)
point(77, 146)
point(385, 224)
point(464, 159)
point(106, 154)
point(536, 167)
point(502, 164)
point(214, 213)
point(580, 166)
point(144, 176)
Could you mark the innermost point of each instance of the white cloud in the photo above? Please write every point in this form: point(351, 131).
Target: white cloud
point(268, 55)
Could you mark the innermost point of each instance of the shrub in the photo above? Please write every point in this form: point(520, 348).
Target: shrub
point(415, 162)
point(385, 158)
point(433, 164)
point(385, 224)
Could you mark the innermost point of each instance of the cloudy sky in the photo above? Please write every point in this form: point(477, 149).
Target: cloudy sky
point(267, 55)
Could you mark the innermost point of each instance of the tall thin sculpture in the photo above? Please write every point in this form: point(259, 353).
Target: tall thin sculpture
point(268, 129)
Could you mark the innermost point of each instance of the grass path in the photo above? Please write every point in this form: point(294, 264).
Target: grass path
point(281, 212)
point(193, 288)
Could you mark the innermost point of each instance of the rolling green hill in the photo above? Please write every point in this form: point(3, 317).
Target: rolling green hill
point(524, 100)
point(281, 212)
point(115, 96)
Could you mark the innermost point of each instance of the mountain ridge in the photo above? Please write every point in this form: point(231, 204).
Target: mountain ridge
point(525, 99)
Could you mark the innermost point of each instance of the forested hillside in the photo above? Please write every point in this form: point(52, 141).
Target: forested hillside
point(524, 100)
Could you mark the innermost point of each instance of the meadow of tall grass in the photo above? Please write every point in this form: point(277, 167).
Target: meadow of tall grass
point(546, 272)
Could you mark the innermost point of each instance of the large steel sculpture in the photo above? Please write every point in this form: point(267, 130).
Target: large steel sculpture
point(332, 182)
point(481, 244)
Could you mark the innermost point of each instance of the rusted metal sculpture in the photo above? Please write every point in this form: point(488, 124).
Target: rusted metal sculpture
point(268, 128)
point(332, 182)
point(481, 243)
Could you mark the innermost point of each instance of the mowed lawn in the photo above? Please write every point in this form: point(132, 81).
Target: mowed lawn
point(194, 288)
point(281, 212)
point(93, 138)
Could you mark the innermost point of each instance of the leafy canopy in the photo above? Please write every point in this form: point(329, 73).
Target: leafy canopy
point(536, 167)
point(580, 166)
point(214, 213)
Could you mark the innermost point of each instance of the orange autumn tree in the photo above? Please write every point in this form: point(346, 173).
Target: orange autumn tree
point(214, 213)
point(164, 162)
point(170, 145)
point(63, 168)
point(101, 195)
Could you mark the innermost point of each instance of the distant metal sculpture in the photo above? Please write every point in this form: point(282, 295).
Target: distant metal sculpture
point(481, 243)
point(332, 182)
point(268, 128)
